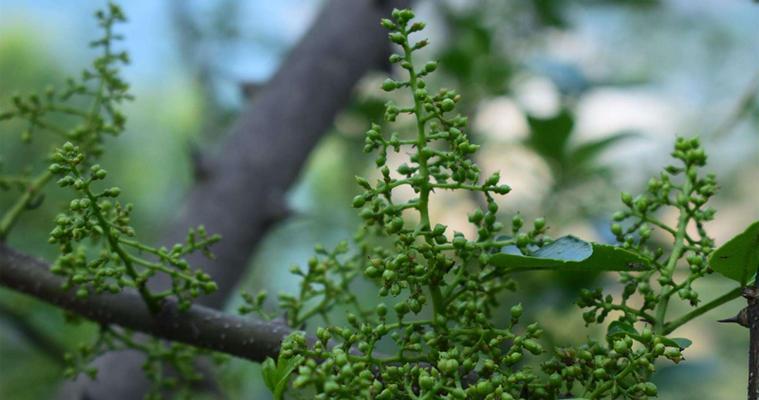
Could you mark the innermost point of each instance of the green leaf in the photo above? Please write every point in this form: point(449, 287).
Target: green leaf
point(621, 328)
point(681, 343)
point(269, 372)
point(738, 259)
point(277, 376)
point(587, 152)
point(550, 136)
point(569, 253)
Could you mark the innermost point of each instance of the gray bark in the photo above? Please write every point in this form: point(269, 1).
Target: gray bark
point(199, 326)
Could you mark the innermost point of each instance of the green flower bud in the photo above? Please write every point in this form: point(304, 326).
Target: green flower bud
point(416, 27)
point(459, 241)
point(484, 388)
point(516, 311)
point(331, 387)
point(493, 179)
point(523, 240)
point(673, 354)
point(322, 334)
point(387, 24)
point(397, 37)
point(476, 216)
point(448, 366)
point(359, 201)
point(517, 222)
point(396, 224)
point(388, 275)
point(616, 229)
point(618, 216)
point(426, 382)
point(533, 346)
point(389, 85)
point(406, 15)
point(649, 388)
point(627, 198)
point(620, 346)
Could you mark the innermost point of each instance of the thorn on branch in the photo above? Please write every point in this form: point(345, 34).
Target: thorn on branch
point(741, 318)
point(35, 202)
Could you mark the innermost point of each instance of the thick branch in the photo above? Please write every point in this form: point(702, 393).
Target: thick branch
point(262, 156)
point(199, 326)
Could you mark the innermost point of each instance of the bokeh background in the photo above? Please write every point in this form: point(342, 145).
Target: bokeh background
point(542, 80)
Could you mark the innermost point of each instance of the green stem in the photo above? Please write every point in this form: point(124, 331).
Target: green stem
point(438, 302)
point(113, 243)
point(11, 216)
point(600, 390)
point(674, 257)
point(729, 296)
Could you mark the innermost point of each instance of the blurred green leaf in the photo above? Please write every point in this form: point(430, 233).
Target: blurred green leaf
point(587, 152)
point(738, 259)
point(569, 253)
point(277, 375)
point(550, 12)
point(549, 136)
point(471, 57)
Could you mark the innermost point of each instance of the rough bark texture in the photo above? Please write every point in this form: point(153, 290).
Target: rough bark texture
point(268, 145)
point(199, 326)
point(753, 356)
point(242, 193)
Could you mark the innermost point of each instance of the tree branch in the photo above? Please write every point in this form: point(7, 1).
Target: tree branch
point(752, 296)
point(271, 140)
point(199, 326)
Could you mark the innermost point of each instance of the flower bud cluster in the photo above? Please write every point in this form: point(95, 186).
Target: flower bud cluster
point(96, 214)
point(437, 293)
point(100, 83)
point(98, 251)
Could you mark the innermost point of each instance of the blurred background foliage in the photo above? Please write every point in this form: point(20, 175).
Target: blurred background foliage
point(573, 101)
